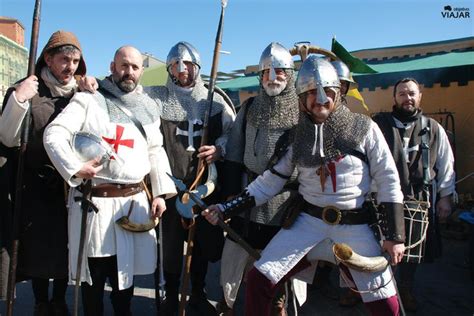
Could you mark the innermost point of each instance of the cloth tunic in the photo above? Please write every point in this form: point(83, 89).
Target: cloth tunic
point(408, 158)
point(43, 227)
point(136, 252)
point(408, 152)
point(182, 117)
point(346, 189)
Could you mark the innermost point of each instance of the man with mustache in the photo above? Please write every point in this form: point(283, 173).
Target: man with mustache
point(262, 122)
point(332, 149)
point(322, 280)
point(128, 122)
point(43, 243)
point(403, 129)
point(184, 99)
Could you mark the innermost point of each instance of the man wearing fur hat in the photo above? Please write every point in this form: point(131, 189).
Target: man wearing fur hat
point(43, 233)
point(332, 150)
point(262, 122)
point(184, 99)
point(126, 121)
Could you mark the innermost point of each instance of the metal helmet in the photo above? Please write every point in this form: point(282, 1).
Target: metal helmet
point(181, 52)
point(87, 146)
point(275, 56)
point(316, 73)
point(342, 70)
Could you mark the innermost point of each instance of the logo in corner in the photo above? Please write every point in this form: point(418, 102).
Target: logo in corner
point(450, 12)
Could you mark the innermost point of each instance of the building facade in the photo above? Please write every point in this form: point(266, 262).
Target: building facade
point(13, 54)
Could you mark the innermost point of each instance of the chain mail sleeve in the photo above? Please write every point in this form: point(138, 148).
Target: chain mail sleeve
point(445, 176)
point(272, 181)
point(383, 170)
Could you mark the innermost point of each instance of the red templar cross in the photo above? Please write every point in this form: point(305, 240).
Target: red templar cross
point(119, 141)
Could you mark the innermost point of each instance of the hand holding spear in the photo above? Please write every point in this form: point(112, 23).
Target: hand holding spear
point(201, 163)
point(19, 178)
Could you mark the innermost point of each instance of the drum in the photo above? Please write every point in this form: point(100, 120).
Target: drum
point(416, 227)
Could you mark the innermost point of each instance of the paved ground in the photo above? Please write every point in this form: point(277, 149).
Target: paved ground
point(443, 288)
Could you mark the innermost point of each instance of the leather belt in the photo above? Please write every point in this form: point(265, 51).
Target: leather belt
point(112, 190)
point(332, 215)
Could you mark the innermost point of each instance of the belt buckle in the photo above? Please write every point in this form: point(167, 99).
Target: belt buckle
point(327, 211)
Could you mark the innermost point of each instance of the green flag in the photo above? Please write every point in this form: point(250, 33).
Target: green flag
point(355, 64)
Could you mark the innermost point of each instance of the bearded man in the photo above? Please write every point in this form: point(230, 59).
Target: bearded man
point(332, 150)
point(404, 129)
point(184, 100)
point(127, 121)
point(43, 239)
point(262, 122)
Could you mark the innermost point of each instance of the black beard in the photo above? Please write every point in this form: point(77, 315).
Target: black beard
point(403, 115)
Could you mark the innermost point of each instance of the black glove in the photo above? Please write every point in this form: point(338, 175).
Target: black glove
point(237, 205)
point(392, 221)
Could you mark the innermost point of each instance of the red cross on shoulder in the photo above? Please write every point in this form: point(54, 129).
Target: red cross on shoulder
point(118, 140)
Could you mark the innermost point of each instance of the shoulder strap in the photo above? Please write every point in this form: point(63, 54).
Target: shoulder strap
point(359, 155)
point(425, 149)
point(126, 111)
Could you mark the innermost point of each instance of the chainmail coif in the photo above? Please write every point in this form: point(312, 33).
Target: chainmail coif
point(280, 111)
point(343, 132)
point(145, 109)
point(180, 104)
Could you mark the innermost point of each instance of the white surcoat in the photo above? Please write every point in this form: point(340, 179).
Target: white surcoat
point(136, 252)
point(345, 188)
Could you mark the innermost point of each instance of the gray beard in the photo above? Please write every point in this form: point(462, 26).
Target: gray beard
point(278, 112)
point(275, 90)
point(127, 87)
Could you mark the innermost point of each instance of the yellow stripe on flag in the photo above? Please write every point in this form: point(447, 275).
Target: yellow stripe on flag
point(353, 92)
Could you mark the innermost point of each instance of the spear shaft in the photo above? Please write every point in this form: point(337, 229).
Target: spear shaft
point(21, 157)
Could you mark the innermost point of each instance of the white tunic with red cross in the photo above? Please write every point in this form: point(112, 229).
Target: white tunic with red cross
point(135, 158)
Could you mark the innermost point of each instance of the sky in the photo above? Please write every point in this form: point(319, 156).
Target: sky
point(154, 26)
